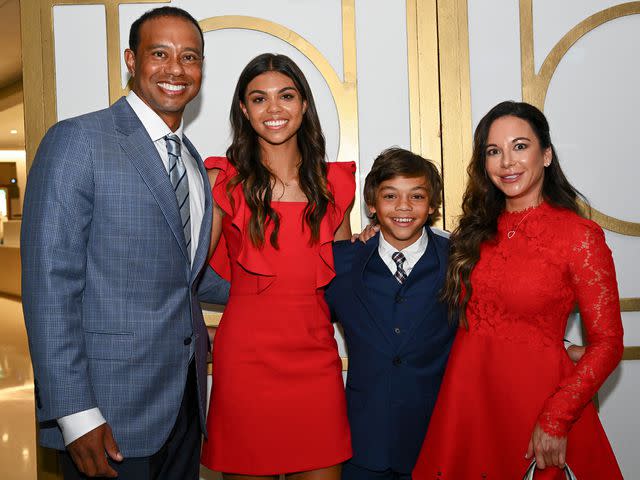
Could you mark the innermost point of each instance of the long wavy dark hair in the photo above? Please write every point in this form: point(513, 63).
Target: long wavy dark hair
point(483, 202)
point(256, 179)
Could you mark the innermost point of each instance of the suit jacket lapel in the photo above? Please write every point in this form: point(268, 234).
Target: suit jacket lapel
point(201, 253)
point(360, 289)
point(430, 291)
point(143, 155)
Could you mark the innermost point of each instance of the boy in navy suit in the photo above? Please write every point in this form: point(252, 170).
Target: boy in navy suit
point(397, 332)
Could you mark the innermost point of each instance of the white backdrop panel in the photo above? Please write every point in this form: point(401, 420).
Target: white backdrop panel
point(494, 53)
point(383, 81)
point(592, 105)
point(80, 59)
point(553, 19)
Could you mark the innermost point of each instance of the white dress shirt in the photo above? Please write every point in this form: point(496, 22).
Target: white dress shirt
point(412, 253)
point(77, 424)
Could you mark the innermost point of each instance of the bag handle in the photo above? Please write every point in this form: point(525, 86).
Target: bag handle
point(531, 471)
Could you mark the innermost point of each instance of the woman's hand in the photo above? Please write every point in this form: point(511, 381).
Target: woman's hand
point(576, 352)
point(549, 451)
point(368, 232)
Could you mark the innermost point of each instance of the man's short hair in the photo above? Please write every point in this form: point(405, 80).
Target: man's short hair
point(398, 162)
point(134, 32)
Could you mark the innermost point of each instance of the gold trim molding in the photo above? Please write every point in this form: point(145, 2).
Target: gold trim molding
point(536, 85)
point(455, 104)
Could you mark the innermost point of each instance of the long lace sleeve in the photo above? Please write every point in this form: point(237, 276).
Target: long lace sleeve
point(593, 279)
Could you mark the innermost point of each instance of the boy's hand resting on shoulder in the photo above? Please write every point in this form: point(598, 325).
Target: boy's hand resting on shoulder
point(368, 232)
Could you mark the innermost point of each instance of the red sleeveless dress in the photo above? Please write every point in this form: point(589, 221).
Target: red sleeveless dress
point(510, 369)
point(277, 401)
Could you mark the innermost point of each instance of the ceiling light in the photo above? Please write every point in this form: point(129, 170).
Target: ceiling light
point(13, 132)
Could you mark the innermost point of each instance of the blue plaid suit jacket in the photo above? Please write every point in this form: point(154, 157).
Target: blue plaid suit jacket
point(110, 298)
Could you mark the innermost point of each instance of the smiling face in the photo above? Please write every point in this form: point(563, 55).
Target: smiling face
point(274, 107)
point(515, 161)
point(167, 66)
point(402, 209)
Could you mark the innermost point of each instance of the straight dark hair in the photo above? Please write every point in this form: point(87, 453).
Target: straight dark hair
point(134, 32)
point(256, 179)
point(483, 202)
point(398, 162)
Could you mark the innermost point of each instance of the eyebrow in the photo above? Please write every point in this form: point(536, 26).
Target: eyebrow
point(419, 187)
point(512, 141)
point(162, 45)
point(262, 92)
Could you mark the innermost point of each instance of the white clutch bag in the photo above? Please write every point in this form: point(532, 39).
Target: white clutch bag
point(531, 471)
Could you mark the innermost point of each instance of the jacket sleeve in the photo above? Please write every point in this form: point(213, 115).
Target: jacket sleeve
point(213, 288)
point(56, 226)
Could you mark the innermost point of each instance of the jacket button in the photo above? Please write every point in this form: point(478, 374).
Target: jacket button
point(397, 361)
point(396, 330)
point(187, 341)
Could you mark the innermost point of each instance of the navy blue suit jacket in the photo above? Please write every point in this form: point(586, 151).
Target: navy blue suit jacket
point(391, 386)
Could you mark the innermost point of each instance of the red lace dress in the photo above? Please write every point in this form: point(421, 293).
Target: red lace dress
point(277, 402)
point(510, 369)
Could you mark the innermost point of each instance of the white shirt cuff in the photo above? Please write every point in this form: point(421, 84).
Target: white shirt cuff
point(77, 424)
point(567, 344)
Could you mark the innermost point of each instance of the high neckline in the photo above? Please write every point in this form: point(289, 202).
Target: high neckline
point(524, 211)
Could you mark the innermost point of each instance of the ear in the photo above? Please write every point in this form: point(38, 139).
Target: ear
point(304, 107)
point(431, 210)
point(372, 209)
point(244, 110)
point(130, 60)
point(547, 156)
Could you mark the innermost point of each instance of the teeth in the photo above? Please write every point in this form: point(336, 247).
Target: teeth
point(510, 177)
point(275, 123)
point(173, 88)
point(403, 220)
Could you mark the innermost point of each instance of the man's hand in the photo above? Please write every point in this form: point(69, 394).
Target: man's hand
point(549, 451)
point(88, 452)
point(368, 232)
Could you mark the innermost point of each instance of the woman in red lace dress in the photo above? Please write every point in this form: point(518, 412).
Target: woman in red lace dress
point(522, 257)
point(277, 402)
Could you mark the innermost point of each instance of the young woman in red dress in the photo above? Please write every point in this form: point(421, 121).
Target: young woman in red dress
point(522, 257)
point(277, 402)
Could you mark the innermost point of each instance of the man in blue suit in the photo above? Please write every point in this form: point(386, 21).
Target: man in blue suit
point(397, 332)
point(115, 239)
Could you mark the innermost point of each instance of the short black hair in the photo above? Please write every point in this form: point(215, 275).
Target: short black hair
point(398, 162)
point(134, 32)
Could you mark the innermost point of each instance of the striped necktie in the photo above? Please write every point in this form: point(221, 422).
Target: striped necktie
point(180, 182)
point(400, 274)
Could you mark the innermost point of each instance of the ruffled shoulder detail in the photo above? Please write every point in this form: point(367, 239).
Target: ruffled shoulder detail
point(342, 184)
point(236, 209)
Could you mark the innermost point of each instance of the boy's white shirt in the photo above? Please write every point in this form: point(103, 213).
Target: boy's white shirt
point(412, 253)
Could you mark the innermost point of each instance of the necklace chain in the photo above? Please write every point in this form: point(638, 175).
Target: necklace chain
point(512, 232)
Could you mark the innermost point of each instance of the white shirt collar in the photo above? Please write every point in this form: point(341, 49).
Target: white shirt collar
point(412, 253)
point(153, 124)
